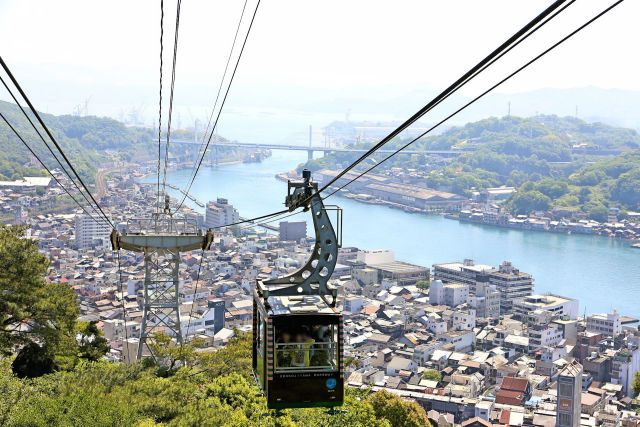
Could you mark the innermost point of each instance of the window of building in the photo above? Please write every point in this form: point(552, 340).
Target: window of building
point(565, 389)
point(564, 420)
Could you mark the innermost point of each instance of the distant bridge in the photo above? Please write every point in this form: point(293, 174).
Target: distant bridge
point(311, 148)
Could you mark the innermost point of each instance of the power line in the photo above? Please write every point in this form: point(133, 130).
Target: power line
point(215, 103)
point(160, 104)
point(46, 129)
point(447, 118)
point(46, 168)
point(48, 147)
point(481, 95)
point(452, 88)
point(173, 81)
point(224, 99)
point(504, 48)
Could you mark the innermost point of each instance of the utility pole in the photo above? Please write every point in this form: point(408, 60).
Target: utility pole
point(509, 109)
point(161, 238)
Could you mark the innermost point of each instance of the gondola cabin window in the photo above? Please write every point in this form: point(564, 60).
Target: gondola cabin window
point(306, 347)
point(260, 338)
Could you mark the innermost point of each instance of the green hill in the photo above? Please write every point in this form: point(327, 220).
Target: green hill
point(565, 161)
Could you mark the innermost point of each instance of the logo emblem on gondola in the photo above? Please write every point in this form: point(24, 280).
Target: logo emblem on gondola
point(331, 383)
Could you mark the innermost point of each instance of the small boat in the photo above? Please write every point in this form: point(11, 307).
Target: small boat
point(636, 245)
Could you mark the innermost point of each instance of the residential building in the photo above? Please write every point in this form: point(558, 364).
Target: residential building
point(352, 304)
point(380, 256)
point(451, 294)
point(293, 230)
point(555, 304)
point(624, 365)
point(607, 324)
point(220, 213)
point(569, 390)
point(91, 233)
point(486, 300)
point(508, 280)
point(512, 284)
point(460, 340)
point(544, 336)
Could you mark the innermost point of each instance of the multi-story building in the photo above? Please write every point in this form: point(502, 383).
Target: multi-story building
point(293, 230)
point(220, 213)
point(91, 234)
point(451, 294)
point(608, 324)
point(467, 272)
point(624, 365)
point(544, 336)
point(486, 300)
point(510, 282)
point(569, 395)
point(557, 305)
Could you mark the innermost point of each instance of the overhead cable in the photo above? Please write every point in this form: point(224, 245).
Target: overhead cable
point(173, 81)
point(567, 37)
point(49, 171)
point(224, 99)
point(64, 169)
point(46, 129)
point(215, 103)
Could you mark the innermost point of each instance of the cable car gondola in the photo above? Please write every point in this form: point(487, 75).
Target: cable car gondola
point(298, 337)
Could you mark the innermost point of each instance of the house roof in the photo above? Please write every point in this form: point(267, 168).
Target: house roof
point(514, 384)
point(476, 420)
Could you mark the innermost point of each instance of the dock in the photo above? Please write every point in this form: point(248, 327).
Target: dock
point(189, 196)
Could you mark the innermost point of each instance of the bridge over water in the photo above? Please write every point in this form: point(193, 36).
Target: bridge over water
point(310, 149)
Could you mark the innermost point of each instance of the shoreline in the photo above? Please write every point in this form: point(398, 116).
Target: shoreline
point(409, 209)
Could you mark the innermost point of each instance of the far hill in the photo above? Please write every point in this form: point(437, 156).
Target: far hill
point(531, 154)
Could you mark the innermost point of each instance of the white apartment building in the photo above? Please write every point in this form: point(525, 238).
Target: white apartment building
point(353, 304)
point(450, 294)
point(608, 324)
point(464, 320)
point(220, 213)
point(544, 336)
point(376, 257)
point(624, 365)
point(92, 234)
point(508, 280)
point(486, 300)
point(555, 304)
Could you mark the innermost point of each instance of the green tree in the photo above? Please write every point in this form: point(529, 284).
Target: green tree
point(169, 353)
point(423, 285)
point(92, 344)
point(33, 311)
point(636, 384)
point(432, 374)
point(528, 201)
point(400, 413)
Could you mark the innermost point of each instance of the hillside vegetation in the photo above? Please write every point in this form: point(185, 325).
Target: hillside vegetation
point(83, 139)
point(52, 374)
point(536, 155)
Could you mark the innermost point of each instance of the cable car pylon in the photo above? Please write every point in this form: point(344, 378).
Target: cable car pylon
point(298, 334)
point(161, 238)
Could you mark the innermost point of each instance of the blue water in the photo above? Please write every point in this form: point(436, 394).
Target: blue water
point(602, 273)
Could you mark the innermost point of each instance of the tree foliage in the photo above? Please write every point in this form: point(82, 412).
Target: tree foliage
point(31, 310)
point(531, 154)
point(400, 413)
point(432, 374)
